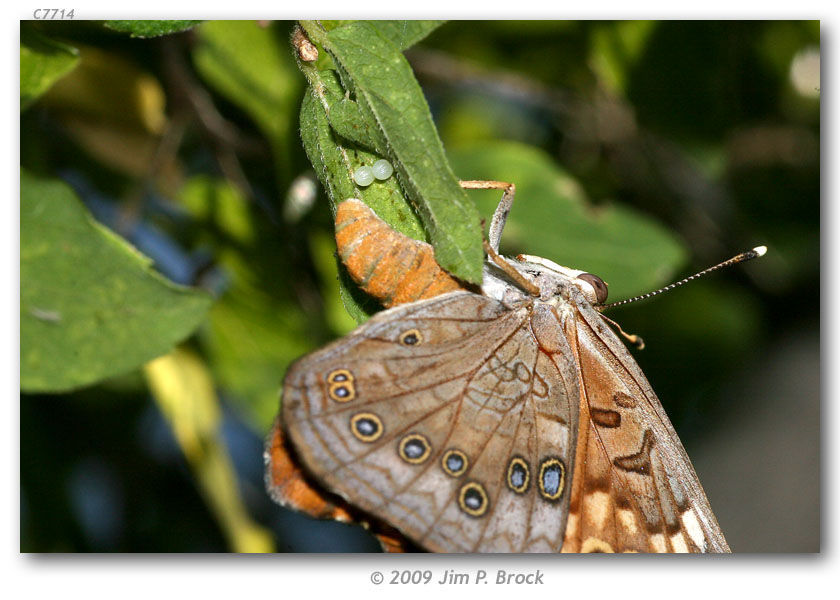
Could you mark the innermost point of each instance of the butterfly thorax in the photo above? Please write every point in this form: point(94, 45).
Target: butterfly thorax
point(559, 286)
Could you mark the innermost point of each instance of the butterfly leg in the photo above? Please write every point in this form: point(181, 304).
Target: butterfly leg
point(497, 224)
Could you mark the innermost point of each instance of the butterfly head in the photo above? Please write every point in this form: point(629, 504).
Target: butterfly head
point(553, 280)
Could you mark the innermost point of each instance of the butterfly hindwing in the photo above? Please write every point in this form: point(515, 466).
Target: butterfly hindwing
point(445, 419)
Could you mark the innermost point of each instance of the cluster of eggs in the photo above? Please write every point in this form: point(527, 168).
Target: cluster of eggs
point(380, 170)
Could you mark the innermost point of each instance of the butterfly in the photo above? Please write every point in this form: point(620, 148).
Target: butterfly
point(509, 418)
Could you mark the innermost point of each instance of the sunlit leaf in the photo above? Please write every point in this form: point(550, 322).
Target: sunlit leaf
point(335, 165)
point(91, 306)
point(183, 388)
point(403, 34)
point(42, 62)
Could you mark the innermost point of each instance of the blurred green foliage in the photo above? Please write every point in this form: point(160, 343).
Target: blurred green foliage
point(42, 62)
point(640, 150)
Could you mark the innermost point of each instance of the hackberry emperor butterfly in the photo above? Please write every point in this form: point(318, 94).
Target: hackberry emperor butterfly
point(511, 420)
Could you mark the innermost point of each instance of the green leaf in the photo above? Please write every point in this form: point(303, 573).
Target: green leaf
point(253, 67)
point(42, 62)
point(384, 197)
point(147, 29)
point(552, 218)
point(404, 34)
point(334, 165)
point(376, 72)
point(91, 306)
point(323, 151)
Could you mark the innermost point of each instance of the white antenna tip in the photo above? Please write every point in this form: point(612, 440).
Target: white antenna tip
point(760, 250)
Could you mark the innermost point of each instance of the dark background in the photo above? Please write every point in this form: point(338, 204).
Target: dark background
point(710, 128)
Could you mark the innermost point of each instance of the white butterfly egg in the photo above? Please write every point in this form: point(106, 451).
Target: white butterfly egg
point(382, 169)
point(363, 176)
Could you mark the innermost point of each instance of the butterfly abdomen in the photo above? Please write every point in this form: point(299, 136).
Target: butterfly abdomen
point(386, 264)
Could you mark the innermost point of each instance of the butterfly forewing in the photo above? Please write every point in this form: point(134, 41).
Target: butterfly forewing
point(454, 425)
point(634, 488)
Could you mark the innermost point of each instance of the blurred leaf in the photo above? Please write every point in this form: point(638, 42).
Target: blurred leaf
point(125, 149)
point(147, 29)
point(91, 306)
point(256, 327)
point(390, 99)
point(119, 124)
point(110, 90)
point(183, 389)
point(691, 89)
point(616, 46)
point(217, 203)
point(42, 62)
point(252, 67)
point(552, 218)
point(781, 40)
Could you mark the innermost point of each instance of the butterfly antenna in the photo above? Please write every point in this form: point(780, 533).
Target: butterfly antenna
point(744, 256)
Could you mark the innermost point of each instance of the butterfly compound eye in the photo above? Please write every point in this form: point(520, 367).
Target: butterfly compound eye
point(597, 284)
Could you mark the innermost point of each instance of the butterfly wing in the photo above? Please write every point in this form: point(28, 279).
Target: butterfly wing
point(446, 419)
point(634, 487)
point(289, 486)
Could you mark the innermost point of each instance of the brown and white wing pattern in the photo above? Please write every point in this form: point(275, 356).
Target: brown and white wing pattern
point(634, 488)
point(447, 419)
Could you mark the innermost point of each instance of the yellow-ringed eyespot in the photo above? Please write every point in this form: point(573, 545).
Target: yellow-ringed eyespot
point(473, 499)
point(411, 337)
point(414, 448)
point(340, 375)
point(552, 478)
point(342, 391)
point(367, 427)
point(518, 475)
point(454, 463)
